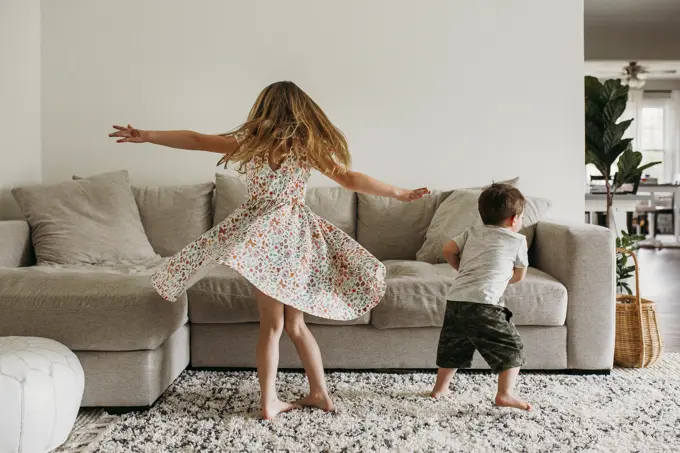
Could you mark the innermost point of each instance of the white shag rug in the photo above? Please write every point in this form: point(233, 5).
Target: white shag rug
point(212, 411)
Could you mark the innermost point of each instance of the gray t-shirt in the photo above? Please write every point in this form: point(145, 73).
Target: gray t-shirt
point(488, 257)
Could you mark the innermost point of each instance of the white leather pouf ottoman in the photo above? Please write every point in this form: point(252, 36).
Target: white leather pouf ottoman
point(41, 387)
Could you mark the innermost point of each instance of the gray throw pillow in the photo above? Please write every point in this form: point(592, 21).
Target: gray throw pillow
point(460, 211)
point(92, 221)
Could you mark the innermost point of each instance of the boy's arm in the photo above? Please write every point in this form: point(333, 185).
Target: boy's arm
point(521, 263)
point(518, 275)
point(451, 253)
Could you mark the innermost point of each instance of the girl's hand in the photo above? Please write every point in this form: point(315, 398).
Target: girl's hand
point(129, 135)
point(411, 195)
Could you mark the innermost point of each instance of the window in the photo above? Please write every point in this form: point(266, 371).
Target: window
point(652, 128)
point(652, 137)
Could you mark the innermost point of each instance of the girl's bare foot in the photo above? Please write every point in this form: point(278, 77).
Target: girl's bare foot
point(440, 393)
point(276, 407)
point(512, 401)
point(322, 402)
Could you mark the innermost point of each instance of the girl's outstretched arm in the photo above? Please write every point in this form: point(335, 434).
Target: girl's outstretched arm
point(222, 144)
point(359, 182)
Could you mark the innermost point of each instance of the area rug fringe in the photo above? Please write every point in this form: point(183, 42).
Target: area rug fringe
point(91, 427)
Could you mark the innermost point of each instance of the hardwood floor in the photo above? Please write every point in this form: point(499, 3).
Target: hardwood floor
point(660, 283)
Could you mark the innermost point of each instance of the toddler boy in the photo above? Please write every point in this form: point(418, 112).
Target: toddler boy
point(487, 259)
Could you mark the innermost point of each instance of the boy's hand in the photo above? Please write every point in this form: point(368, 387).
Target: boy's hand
point(518, 275)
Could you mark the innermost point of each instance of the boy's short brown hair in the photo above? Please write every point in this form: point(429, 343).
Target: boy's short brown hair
point(499, 202)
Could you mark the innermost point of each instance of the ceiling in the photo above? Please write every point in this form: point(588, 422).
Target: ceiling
point(662, 12)
point(624, 30)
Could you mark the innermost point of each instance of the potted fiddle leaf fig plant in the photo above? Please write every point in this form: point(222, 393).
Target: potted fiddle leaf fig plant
point(605, 145)
point(624, 270)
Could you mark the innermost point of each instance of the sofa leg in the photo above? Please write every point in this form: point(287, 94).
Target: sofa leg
point(120, 410)
point(590, 372)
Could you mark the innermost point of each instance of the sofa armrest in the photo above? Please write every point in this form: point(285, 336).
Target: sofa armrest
point(15, 244)
point(582, 257)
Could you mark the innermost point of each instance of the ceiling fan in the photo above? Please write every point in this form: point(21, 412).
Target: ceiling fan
point(635, 75)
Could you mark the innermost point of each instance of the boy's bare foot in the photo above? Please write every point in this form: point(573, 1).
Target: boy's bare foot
point(512, 401)
point(322, 402)
point(276, 407)
point(440, 393)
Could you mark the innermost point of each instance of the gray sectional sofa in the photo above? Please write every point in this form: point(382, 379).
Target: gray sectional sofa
point(133, 344)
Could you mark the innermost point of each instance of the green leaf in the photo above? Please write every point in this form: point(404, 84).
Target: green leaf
point(613, 110)
point(629, 168)
point(593, 87)
point(613, 90)
point(630, 160)
point(593, 110)
point(613, 134)
point(627, 288)
point(646, 166)
point(594, 139)
point(621, 147)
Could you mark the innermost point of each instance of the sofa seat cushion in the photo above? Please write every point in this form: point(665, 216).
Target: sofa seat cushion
point(224, 296)
point(87, 310)
point(416, 297)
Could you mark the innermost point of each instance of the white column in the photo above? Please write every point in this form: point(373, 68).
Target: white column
point(634, 108)
point(672, 139)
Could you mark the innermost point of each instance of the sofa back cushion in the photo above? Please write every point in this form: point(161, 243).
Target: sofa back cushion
point(230, 193)
point(335, 204)
point(394, 230)
point(89, 221)
point(173, 216)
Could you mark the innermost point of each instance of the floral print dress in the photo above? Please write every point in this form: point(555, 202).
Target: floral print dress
point(285, 250)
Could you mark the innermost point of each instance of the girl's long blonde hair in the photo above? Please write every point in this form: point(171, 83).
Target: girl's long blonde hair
point(283, 120)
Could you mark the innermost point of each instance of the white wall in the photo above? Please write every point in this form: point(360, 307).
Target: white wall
point(19, 99)
point(448, 93)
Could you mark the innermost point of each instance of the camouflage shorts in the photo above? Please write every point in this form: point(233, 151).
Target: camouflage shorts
point(482, 327)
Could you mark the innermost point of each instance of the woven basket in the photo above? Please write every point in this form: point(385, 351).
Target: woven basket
point(638, 339)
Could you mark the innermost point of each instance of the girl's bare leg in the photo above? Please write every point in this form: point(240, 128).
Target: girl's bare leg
point(271, 327)
point(310, 356)
point(441, 387)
